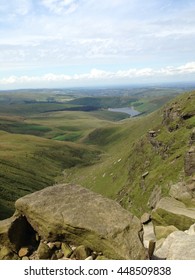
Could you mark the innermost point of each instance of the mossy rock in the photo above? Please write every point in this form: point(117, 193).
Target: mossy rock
point(78, 216)
point(172, 212)
point(163, 232)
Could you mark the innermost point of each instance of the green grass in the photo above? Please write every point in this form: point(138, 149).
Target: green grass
point(29, 163)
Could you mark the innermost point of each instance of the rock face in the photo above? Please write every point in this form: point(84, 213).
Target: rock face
point(169, 211)
point(75, 215)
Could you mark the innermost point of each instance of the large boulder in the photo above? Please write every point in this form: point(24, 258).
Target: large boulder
point(77, 215)
point(169, 211)
point(177, 246)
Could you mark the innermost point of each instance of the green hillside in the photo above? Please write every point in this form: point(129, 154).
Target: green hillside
point(138, 165)
point(29, 163)
point(132, 160)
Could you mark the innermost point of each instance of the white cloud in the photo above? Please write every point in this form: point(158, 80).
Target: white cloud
point(100, 75)
point(60, 6)
point(15, 7)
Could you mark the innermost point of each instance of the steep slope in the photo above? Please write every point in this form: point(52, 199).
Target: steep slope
point(159, 159)
point(143, 157)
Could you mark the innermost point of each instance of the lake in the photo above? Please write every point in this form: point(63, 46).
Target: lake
point(128, 110)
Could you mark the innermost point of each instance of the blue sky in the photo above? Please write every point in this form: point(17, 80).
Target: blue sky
point(62, 43)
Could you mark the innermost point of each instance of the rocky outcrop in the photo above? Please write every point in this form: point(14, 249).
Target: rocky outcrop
point(169, 211)
point(189, 161)
point(74, 215)
point(182, 191)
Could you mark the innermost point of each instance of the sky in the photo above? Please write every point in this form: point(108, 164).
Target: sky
point(67, 43)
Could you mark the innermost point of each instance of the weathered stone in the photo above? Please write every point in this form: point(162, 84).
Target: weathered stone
point(25, 258)
point(180, 191)
point(4, 253)
point(90, 258)
point(81, 253)
point(191, 230)
point(159, 244)
point(151, 248)
point(43, 251)
point(59, 254)
point(189, 161)
point(15, 233)
point(192, 137)
point(24, 251)
point(148, 234)
point(169, 211)
point(7, 254)
point(66, 249)
point(79, 216)
point(144, 175)
point(5, 226)
point(51, 245)
point(58, 244)
point(152, 133)
point(145, 218)
point(163, 232)
point(177, 246)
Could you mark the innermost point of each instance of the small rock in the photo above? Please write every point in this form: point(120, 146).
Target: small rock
point(25, 258)
point(90, 258)
point(24, 251)
point(57, 244)
point(59, 254)
point(51, 245)
point(145, 174)
point(66, 249)
point(5, 253)
point(152, 133)
point(81, 253)
point(43, 251)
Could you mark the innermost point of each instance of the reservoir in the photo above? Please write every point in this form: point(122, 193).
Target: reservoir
point(128, 110)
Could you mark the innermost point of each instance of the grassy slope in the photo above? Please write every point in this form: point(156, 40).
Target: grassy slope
point(129, 153)
point(116, 140)
point(29, 163)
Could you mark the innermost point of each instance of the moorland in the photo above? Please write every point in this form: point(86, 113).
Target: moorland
point(69, 135)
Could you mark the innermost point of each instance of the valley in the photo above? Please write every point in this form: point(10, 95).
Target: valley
point(70, 136)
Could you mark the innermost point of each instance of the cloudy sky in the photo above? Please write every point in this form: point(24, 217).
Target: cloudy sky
point(62, 43)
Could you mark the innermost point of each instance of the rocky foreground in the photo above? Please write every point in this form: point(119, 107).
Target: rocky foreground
point(70, 222)
point(65, 222)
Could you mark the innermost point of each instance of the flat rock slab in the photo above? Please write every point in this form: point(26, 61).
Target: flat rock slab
point(74, 214)
point(170, 211)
